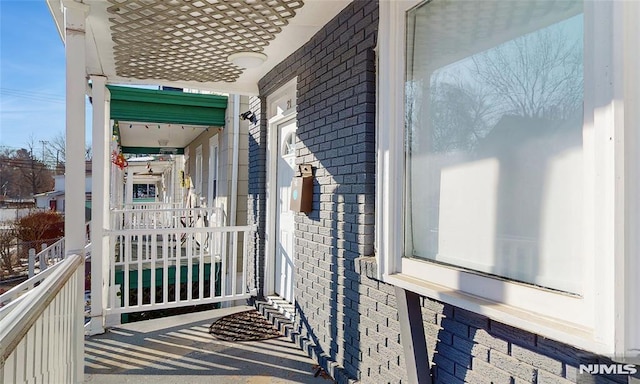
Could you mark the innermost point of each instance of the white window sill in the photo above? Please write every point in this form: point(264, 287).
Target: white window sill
point(565, 332)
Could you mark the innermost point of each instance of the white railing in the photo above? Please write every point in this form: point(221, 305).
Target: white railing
point(153, 205)
point(10, 297)
point(158, 268)
point(49, 255)
point(41, 332)
point(137, 217)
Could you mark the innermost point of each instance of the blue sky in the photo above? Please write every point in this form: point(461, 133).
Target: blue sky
point(32, 74)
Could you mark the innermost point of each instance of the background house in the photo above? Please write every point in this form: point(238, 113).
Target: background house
point(55, 200)
point(12, 209)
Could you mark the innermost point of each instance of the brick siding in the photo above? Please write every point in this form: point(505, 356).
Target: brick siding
point(336, 79)
point(465, 347)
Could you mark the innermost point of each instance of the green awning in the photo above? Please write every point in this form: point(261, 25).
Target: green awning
point(149, 151)
point(161, 106)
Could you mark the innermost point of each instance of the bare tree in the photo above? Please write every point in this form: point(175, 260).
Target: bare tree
point(459, 116)
point(33, 175)
point(57, 150)
point(8, 251)
point(8, 177)
point(537, 75)
point(22, 175)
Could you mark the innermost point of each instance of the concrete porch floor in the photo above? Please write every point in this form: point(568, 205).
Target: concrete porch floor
point(180, 350)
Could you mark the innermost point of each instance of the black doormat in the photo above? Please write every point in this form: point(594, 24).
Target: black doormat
point(244, 326)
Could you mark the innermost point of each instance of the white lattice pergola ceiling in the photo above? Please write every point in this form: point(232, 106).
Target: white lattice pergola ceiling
point(191, 40)
point(186, 43)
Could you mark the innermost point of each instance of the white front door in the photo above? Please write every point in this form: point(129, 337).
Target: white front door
point(285, 226)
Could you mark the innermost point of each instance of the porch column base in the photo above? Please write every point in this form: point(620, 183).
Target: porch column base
point(95, 326)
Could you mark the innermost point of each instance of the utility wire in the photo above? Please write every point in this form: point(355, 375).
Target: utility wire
point(38, 96)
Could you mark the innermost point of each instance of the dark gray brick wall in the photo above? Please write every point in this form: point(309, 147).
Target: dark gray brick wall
point(336, 91)
point(256, 205)
point(345, 318)
point(466, 347)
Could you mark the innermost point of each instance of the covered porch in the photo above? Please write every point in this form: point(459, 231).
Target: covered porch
point(181, 349)
point(170, 241)
point(186, 247)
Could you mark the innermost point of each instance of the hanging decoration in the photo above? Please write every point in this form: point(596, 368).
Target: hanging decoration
point(118, 159)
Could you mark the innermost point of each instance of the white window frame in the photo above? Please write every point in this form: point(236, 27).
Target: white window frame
point(604, 318)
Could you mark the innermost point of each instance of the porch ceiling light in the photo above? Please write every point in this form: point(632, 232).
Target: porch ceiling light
point(163, 143)
point(247, 59)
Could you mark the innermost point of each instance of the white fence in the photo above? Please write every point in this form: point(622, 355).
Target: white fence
point(41, 329)
point(11, 214)
point(49, 255)
point(11, 296)
point(152, 205)
point(158, 268)
point(138, 216)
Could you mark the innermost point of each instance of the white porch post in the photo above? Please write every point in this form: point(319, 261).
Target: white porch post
point(100, 202)
point(128, 193)
point(75, 137)
point(630, 13)
point(74, 224)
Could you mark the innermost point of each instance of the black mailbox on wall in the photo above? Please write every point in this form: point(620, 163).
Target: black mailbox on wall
point(302, 190)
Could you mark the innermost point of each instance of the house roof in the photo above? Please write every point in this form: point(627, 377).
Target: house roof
point(187, 44)
point(50, 194)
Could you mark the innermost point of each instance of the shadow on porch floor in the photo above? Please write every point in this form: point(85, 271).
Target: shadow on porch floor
point(179, 349)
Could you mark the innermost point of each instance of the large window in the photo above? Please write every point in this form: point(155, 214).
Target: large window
point(507, 168)
point(144, 192)
point(494, 120)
